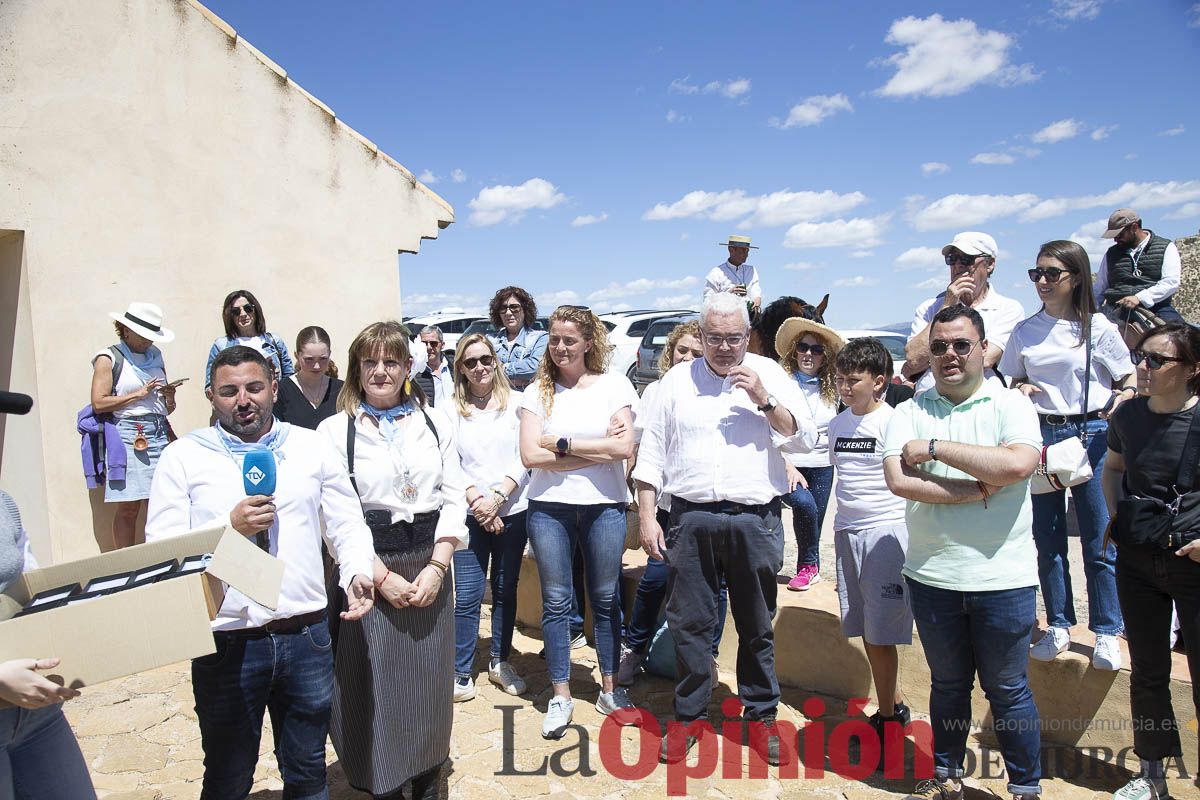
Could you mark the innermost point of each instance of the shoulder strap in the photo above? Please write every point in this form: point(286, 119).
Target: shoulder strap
point(432, 429)
point(1191, 454)
point(350, 451)
point(118, 363)
point(1087, 375)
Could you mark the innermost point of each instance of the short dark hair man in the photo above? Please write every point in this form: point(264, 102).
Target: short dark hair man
point(279, 658)
point(1140, 269)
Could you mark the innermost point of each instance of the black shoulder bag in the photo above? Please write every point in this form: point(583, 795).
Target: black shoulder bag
point(1148, 521)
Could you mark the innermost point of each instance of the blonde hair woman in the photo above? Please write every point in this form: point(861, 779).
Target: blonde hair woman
point(576, 432)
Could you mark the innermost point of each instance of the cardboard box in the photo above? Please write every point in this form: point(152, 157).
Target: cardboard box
point(142, 627)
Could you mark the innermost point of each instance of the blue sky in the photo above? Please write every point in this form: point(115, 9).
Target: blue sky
point(598, 154)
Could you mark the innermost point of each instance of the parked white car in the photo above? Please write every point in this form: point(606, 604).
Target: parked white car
point(894, 342)
point(452, 323)
point(625, 332)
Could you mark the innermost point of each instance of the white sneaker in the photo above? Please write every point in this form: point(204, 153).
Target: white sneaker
point(578, 642)
point(631, 662)
point(1049, 646)
point(504, 676)
point(608, 702)
point(463, 691)
point(1142, 789)
point(1107, 653)
point(558, 717)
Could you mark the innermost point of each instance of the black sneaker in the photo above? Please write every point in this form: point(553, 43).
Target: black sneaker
point(901, 714)
point(671, 756)
point(770, 732)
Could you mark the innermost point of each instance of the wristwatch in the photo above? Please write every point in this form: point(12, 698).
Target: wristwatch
point(769, 405)
point(563, 445)
point(933, 449)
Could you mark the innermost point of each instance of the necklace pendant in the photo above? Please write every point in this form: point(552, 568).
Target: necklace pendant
point(408, 490)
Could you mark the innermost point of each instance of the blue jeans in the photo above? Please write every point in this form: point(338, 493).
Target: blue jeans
point(808, 513)
point(504, 550)
point(1050, 534)
point(289, 675)
point(39, 756)
point(988, 632)
point(554, 531)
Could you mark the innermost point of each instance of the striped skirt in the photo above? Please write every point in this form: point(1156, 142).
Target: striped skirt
point(394, 673)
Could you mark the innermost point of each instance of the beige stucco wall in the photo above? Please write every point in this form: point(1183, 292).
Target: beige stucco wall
point(148, 153)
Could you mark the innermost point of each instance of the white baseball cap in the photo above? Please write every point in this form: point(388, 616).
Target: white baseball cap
point(972, 243)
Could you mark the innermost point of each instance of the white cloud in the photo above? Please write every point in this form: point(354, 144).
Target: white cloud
point(934, 168)
point(1194, 20)
point(862, 253)
point(1075, 10)
point(930, 283)
point(690, 300)
point(1088, 236)
point(994, 158)
point(1178, 129)
point(416, 304)
point(777, 208)
point(681, 86)
point(732, 89)
point(495, 204)
point(458, 176)
point(427, 178)
point(1028, 152)
point(589, 219)
point(859, 233)
point(947, 57)
point(1185, 211)
point(964, 210)
point(674, 116)
point(1059, 131)
point(813, 111)
point(1129, 195)
point(1130, 156)
point(547, 301)
point(857, 280)
point(802, 266)
point(920, 258)
point(1102, 132)
point(640, 286)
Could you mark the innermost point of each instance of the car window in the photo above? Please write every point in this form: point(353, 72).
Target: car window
point(609, 325)
point(658, 333)
point(638, 329)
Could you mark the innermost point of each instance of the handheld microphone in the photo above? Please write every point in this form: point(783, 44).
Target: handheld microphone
point(258, 477)
point(15, 403)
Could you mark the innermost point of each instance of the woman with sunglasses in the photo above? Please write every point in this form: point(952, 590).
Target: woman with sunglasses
point(245, 324)
point(807, 350)
point(310, 394)
point(1045, 359)
point(486, 431)
point(576, 433)
point(1146, 441)
point(519, 347)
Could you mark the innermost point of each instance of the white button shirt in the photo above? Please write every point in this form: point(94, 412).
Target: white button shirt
point(723, 277)
point(196, 487)
point(705, 442)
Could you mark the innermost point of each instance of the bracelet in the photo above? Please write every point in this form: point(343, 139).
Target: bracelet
point(433, 562)
point(933, 449)
point(983, 490)
point(500, 492)
point(385, 577)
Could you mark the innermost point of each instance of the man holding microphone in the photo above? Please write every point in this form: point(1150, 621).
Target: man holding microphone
point(278, 659)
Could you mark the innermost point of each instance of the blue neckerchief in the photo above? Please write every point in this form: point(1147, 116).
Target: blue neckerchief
point(219, 440)
point(142, 363)
point(386, 417)
point(801, 378)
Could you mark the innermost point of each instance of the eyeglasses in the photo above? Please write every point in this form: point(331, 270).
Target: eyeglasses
point(815, 349)
point(962, 347)
point(486, 361)
point(247, 309)
point(512, 308)
point(716, 341)
point(960, 258)
point(1051, 274)
point(1153, 360)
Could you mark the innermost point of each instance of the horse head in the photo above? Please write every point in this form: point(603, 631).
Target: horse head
point(764, 328)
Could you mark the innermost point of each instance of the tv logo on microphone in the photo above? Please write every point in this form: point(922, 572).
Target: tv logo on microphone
point(255, 475)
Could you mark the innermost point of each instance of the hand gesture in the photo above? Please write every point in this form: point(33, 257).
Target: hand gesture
point(1190, 550)
point(1129, 301)
point(960, 290)
point(152, 385)
point(738, 289)
point(253, 514)
point(1029, 389)
point(360, 597)
point(794, 477)
point(426, 586)
point(396, 590)
point(742, 377)
point(652, 538)
point(616, 427)
point(21, 685)
point(1118, 398)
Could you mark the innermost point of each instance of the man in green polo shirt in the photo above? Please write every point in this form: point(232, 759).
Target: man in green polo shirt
point(961, 453)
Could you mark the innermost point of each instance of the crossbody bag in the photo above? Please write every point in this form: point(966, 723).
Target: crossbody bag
point(1150, 521)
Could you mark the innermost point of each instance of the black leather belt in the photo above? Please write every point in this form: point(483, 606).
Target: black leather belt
point(679, 505)
point(286, 625)
point(1063, 419)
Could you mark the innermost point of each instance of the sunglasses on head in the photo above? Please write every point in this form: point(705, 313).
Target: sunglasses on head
point(486, 361)
point(1153, 360)
point(1051, 274)
point(960, 258)
point(962, 347)
point(815, 349)
point(246, 309)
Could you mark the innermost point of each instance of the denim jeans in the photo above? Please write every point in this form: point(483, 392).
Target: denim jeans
point(1149, 579)
point(985, 632)
point(808, 513)
point(652, 589)
point(1050, 534)
point(504, 551)
point(554, 530)
point(40, 758)
point(289, 675)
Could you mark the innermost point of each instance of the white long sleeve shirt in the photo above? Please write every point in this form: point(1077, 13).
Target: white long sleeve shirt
point(723, 277)
point(1167, 285)
point(490, 451)
point(705, 442)
point(195, 487)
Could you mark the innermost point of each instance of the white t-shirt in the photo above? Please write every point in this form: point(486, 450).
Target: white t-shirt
point(128, 381)
point(821, 413)
point(1000, 315)
point(489, 448)
point(1045, 351)
point(856, 452)
point(582, 414)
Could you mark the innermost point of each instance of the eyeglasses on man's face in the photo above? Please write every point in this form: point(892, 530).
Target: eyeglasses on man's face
point(961, 347)
point(960, 258)
point(733, 342)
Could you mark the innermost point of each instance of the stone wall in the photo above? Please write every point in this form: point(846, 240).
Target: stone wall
point(1187, 299)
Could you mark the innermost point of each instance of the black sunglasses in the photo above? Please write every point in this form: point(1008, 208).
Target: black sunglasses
point(1051, 274)
point(1153, 360)
point(815, 349)
point(962, 347)
point(487, 361)
point(246, 309)
point(960, 258)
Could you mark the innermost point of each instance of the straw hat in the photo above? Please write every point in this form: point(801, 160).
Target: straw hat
point(739, 241)
point(795, 327)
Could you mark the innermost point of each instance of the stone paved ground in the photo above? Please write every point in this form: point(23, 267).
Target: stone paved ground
point(140, 738)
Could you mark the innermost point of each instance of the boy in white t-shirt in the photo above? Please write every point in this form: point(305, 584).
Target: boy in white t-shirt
point(870, 537)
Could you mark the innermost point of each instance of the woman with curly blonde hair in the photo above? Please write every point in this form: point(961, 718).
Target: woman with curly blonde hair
point(807, 350)
point(576, 433)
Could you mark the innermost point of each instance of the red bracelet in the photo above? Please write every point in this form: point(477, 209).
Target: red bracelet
point(385, 577)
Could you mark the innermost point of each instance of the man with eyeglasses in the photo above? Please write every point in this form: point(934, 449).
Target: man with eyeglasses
point(1140, 269)
point(712, 441)
point(972, 259)
point(962, 454)
point(436, 375)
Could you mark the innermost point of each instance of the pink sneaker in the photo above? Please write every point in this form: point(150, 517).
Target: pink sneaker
point(805, 578)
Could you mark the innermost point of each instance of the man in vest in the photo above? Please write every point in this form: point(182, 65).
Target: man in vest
point(1140, 269)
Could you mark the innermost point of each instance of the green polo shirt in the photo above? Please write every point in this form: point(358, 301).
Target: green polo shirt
point(967, 547)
